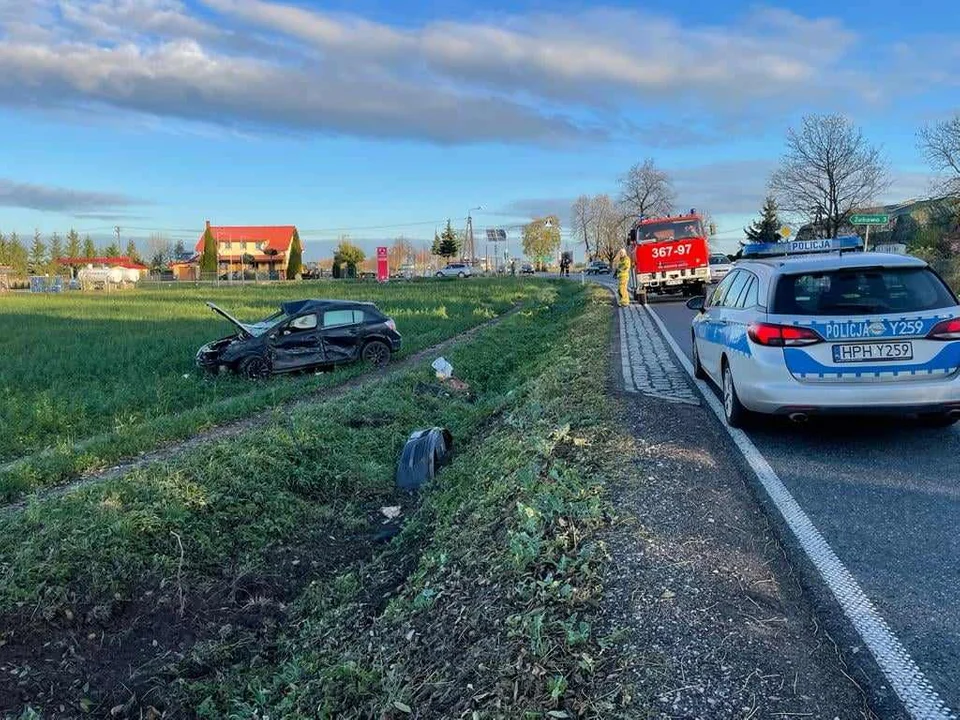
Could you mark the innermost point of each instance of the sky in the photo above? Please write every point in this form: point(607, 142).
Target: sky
point(380, 118)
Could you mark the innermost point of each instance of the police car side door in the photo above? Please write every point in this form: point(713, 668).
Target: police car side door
point(739, 310)
point(708, 330)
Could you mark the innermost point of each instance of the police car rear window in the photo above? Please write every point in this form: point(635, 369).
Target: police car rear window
point(861, 291)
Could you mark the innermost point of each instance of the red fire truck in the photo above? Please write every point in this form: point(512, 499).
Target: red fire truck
point(670, 255)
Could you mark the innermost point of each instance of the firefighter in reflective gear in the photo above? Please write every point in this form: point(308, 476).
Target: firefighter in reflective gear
point(622, 273)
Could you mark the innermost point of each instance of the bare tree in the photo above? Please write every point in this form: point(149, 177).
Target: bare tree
point(159, 250)
point(400, 253)
point(940, 144)
point(646, 191)
point(828, 171)
point(581, 221)
point(608, 227)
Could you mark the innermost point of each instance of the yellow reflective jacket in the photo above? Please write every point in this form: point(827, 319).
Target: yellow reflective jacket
point(623, 267)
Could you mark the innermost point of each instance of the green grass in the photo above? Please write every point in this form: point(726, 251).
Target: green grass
point(486, 602)
point(89, 379)
point(497, 617)
point(231, 501)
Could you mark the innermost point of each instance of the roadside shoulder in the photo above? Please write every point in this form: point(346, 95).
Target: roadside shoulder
point(711, 618)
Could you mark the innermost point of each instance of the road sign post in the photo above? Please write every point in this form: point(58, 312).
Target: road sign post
point(383, 266)
point(868, 221)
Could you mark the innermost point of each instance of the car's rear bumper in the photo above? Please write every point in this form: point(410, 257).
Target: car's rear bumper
point(786, 395)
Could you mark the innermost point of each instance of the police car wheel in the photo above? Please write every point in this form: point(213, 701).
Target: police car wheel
point(698, 371)
point(734, 412)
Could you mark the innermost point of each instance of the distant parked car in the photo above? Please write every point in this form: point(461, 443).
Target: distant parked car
point(405, 272)
point(461, 270)
point(720, 267)
point(527, 269)
point(303, 334)
point(597, 267)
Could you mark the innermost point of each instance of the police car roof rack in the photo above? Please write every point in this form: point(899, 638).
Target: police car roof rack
point(844, 243)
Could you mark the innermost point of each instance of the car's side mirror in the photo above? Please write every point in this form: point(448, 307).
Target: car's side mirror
point(697, 303)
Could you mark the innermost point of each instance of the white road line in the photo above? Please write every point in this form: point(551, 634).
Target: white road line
point(905, 677)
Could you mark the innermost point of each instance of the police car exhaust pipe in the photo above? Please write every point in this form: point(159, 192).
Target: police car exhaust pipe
point(798, 417)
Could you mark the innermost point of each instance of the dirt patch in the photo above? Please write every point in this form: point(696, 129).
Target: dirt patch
point(699, 592)
point(121, 658)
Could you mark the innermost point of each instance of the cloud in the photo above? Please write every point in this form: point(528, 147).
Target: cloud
point(585, 57)
point(57, 199)
point(911, 185)
point(108, 217)
point(523, 78)
point(118, 19)
point(528, 208)
point(726, 187)
point(739, 187)
point(181, 79)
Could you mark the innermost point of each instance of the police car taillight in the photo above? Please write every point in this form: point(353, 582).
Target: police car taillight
point(772, 335)
point(946, 330)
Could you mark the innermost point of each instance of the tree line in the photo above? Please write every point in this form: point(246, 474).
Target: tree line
point(39, 256)
point(601, 223)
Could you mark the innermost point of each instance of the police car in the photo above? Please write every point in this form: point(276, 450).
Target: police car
point(819, 326)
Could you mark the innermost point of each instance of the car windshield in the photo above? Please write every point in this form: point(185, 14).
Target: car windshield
point(719, 260)
point(861, 291)
point(259, 328)
point(669, 230)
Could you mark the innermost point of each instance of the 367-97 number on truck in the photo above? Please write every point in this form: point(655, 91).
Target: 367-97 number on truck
point(671, 255)
point(665, 251)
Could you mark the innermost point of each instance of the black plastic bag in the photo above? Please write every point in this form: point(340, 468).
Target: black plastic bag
point(425, 452)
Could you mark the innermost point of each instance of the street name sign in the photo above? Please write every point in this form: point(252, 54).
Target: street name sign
point(869, 219)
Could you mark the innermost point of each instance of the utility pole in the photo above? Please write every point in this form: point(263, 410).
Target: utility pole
point(116, 229)
point(469, 249)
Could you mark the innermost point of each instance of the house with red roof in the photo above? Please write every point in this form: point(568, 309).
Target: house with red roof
point(265, 249)
point(123, 261)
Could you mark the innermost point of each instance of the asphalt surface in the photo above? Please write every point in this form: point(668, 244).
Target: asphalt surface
point(886, 496)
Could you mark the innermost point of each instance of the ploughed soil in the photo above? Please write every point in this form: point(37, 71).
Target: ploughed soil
point(119, 658)
point(709, 613)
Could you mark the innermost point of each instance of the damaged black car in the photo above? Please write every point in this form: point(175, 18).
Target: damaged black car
point(301, 335)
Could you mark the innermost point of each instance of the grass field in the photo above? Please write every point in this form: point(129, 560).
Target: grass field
point(88, 379)
point(243, 579)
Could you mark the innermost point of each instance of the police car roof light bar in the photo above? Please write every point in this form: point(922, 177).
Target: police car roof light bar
point(841, 244)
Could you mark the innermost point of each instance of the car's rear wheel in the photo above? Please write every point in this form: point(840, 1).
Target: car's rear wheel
point(439, 274)
point(733, 410)
point(255, 368)
point(698, 371)
point(376, 353)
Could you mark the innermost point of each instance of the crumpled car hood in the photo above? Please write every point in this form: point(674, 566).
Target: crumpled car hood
point(248, 330)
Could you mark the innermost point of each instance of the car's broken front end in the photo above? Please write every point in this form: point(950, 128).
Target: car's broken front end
point(210, 357)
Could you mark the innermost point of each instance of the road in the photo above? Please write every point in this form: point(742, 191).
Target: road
point(885, 496)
